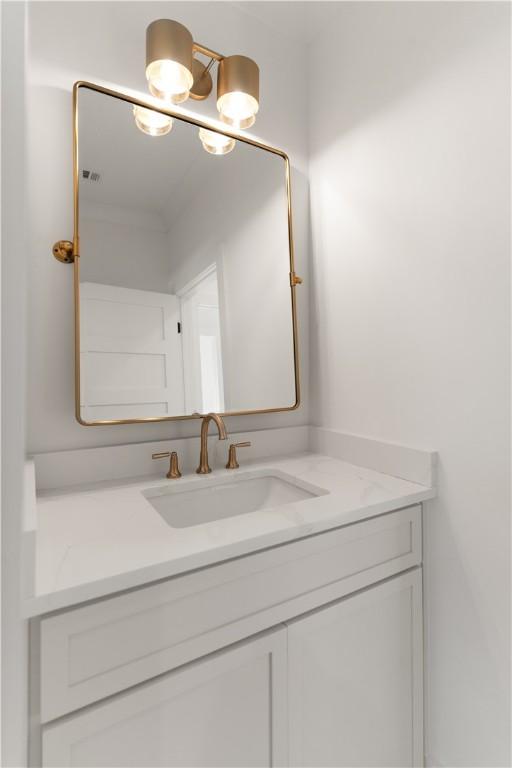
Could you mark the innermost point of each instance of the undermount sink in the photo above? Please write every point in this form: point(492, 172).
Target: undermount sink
point(205, 500)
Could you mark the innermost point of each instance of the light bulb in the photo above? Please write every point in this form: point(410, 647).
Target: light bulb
point(238, 109)
point(216, 143)
point(169, 80)
point(151, 122)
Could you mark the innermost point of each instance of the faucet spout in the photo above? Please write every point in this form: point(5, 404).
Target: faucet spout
point(204, 468)
point(219, 422)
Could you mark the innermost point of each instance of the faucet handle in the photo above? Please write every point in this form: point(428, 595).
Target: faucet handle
point(174, 470)
point(232, 460)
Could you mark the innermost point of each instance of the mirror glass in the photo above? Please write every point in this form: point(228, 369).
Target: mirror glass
point(184, 290)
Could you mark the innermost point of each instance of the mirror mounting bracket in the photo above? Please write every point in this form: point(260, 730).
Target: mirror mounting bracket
point(63, 251)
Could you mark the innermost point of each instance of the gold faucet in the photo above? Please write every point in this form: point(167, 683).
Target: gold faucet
point(204, 467)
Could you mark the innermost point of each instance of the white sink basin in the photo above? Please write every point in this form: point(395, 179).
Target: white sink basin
point(204, 500)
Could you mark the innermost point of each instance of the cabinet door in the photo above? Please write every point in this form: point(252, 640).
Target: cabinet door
point(228, 709)
point(355, 679)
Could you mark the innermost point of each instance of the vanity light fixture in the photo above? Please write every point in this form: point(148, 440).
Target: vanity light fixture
point(216, 143)
point(151, 122)
point(174, 73)
point(169, 60)
point(238, 91)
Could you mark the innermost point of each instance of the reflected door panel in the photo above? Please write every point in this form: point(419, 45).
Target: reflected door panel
point(131, 359)
point(202, 345)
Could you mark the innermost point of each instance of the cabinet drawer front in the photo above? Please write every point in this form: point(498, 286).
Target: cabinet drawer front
point(94, 651)
point(226, 710)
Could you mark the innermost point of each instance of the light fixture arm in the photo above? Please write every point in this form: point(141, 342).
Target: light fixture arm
point(209, 65)
point(203, 83)
point(198, 48)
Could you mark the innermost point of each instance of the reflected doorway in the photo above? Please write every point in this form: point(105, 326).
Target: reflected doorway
point(202, 343)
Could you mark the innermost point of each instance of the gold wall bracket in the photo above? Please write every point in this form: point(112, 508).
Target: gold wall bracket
point(63, 251)
point(295, 279)
point(203, 84)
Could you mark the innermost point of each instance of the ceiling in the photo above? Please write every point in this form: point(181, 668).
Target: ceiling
point(157, 175)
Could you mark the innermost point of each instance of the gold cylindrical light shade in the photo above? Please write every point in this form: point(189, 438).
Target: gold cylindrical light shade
point(169, 60)
point(238, 91)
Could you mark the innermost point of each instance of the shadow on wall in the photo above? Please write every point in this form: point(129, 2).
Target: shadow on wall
point(461, 620)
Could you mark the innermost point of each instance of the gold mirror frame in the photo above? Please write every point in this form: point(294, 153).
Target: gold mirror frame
point(68, 252)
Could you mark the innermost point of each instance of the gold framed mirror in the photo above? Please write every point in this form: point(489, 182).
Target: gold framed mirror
point(183, 260)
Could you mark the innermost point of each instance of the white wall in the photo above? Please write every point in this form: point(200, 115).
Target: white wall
point(14, 699)
point(105, 42)
point(410, 161)
point(124, 247)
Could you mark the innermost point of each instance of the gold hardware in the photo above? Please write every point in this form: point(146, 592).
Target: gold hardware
point(232, 460)
point(167, 39)
point(76, 266)
point(238, 75)
point(295, 279)
point(198, 48)
point(174, 470)
point(204, 467)
point(203, 84)
point(63, 251)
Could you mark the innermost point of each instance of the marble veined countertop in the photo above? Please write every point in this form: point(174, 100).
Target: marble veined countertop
point(95, 540)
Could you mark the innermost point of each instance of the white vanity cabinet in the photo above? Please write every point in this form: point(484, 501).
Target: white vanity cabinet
point(228, 709)
point(355, 679)
point(304, 654)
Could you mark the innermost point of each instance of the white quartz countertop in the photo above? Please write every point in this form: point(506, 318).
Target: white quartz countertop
point(95, 540)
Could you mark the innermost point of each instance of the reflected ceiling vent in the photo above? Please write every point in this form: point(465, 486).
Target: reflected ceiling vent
point(90, 175)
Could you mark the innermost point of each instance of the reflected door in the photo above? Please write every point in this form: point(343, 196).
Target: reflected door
point(131, 357)
point(202, 346)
